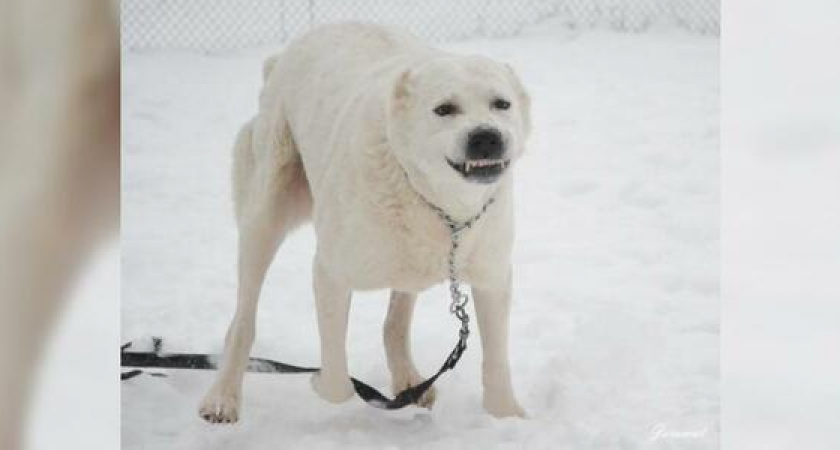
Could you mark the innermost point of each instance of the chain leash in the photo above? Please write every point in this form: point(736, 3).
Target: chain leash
point(459, 298)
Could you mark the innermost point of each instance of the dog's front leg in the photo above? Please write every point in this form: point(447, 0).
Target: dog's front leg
point(397, 338)
point(332, 301)
point(492, 307)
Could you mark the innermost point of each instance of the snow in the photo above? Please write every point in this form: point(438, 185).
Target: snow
point(614, 328)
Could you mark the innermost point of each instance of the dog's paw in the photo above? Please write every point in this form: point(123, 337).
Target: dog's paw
point(503, 406)
point(220, 405)
point(427, 400)
point(333, 391)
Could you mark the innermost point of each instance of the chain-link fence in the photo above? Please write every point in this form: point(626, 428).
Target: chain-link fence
point(208, 25)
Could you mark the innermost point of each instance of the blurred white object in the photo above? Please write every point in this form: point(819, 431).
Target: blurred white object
point(59, 173)
point(781, 225)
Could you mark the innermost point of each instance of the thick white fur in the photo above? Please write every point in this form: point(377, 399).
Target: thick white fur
point(346, 135)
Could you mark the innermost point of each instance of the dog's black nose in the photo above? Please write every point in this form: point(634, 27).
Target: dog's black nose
point(485, 143)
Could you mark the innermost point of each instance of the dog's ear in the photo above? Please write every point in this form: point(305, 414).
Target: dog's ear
point(397, 103)
point(523, 98)
point(402, 91)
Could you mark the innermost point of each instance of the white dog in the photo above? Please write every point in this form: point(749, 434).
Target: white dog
point(360, 128)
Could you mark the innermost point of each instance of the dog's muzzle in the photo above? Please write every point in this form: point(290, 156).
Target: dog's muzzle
point(484, 160)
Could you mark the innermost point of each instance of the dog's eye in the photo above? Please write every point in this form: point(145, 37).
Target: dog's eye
point(501, 103)
point(446, 109)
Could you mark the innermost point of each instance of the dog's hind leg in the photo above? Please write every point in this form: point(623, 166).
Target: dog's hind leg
point(397, 336)
point(271, 197)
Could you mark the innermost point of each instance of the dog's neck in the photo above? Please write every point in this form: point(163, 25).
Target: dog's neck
point(391, 187)
point(459, 208)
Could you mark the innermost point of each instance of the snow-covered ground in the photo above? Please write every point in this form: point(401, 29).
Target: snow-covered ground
point(615, 324)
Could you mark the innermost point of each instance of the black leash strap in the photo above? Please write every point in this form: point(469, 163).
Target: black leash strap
point(158, 359)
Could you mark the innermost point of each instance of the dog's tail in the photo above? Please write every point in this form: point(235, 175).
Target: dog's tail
point(268, 66)
point(268, 174)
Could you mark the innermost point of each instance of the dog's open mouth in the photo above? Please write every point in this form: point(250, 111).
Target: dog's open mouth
point(480, 170)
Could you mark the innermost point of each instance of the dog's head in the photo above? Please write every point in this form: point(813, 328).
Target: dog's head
point(458, 122)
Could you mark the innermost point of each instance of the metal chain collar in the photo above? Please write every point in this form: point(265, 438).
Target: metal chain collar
point(459, 298)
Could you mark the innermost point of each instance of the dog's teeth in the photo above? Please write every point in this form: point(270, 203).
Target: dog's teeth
point(482, 163)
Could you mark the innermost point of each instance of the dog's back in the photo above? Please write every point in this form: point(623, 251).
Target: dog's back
point(351, 49)
point(321, 64)
point(322, 77)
